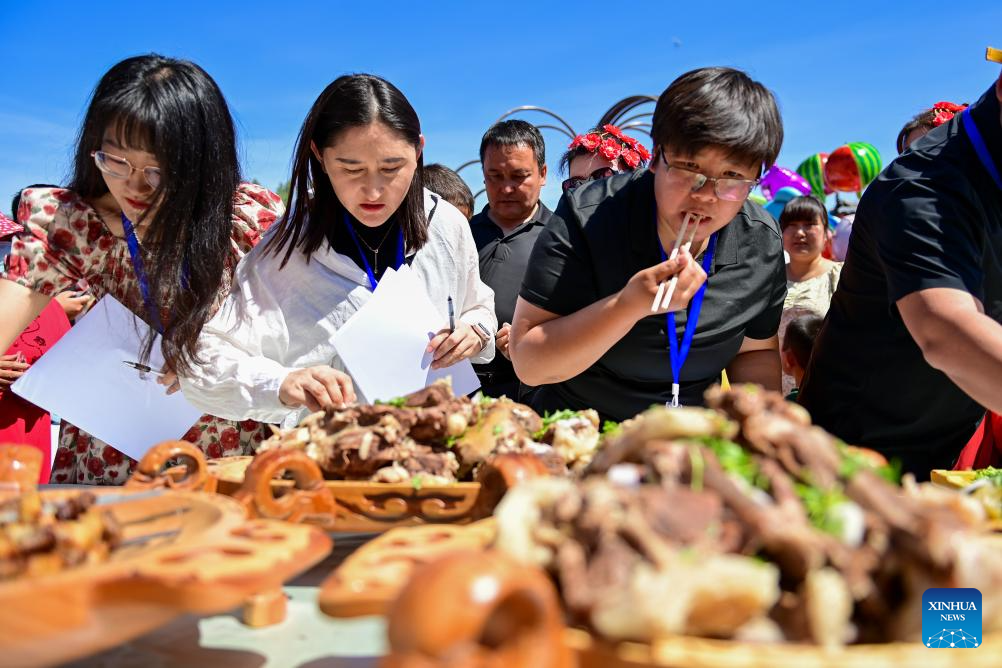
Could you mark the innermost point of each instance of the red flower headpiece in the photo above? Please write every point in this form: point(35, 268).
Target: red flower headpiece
point(611, 143)
point(944, 111)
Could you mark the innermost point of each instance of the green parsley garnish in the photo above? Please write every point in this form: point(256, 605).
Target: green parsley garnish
point(610, 428)
point(819, 504)
point(991, 472)
point(735, 460)
point(397, 402)
point(416, 482)
point(549, 419)
point(853, 462)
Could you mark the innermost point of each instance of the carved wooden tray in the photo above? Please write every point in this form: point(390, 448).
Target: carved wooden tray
point(371, 577)
point(354, 505)
point(207, 558)
point(462, 599)
point(287, 485)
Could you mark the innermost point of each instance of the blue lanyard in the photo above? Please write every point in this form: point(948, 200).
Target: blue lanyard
point(679, 351)
point(979, 146)
point(368, 269)
point(137, 264)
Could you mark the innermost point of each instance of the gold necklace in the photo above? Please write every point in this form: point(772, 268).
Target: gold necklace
point(375, 251)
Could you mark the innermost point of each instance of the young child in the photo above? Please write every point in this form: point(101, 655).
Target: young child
point(797, 345)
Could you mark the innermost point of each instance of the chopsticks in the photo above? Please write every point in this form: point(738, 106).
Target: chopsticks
point(667, 288)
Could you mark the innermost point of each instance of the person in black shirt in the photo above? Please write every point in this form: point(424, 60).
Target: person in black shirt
point(911, 352)
point(513, 156)
point(584, 327)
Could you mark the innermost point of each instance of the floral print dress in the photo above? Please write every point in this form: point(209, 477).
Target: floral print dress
point(65, 244)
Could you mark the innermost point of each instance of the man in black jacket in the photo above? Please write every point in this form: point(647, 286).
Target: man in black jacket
point(514, 162)
point(910, 355)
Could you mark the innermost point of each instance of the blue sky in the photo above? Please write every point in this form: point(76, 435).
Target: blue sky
point(852, 71)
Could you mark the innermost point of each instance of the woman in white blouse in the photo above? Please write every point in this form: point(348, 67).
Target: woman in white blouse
point(358, 206)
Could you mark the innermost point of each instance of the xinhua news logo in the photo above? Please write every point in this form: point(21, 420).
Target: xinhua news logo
point(951, 618)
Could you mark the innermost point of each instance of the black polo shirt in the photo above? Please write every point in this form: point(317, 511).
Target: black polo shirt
point(602, 234)
point(503, 259)
point(932, 219)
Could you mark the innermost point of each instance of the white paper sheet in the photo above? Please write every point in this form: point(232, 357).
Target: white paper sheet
point(383, 345)
point(82, 380)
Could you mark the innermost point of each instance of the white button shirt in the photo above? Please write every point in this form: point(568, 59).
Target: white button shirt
point(276, 321)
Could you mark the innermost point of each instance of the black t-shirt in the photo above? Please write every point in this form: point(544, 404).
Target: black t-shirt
point(932, 219)
point(602, 234)
point(503, 259)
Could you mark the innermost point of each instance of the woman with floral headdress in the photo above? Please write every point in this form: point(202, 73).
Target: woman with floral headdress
point(918, 127)
point(600, 153)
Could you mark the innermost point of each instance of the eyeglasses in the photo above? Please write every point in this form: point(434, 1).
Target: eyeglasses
point(600, 173)
point(121, 168)
point(729, 189)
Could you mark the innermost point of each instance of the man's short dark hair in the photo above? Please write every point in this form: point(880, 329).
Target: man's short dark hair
point(719, 107)
point(515, 133)
point(800, 336)
point(443, 181)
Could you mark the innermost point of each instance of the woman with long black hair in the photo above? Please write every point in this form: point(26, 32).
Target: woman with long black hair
point(358, 206)
point(156, 216)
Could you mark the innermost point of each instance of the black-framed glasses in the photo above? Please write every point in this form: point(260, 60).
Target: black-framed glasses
point(725, 188)
point(121, 168)
point(575, 181)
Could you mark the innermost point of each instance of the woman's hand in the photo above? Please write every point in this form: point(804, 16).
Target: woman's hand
point(451, 347)
point(73, 303)
point(11, 368)
point(317, 388)
point(502, 339)
point(168, 379)
point(639, 293)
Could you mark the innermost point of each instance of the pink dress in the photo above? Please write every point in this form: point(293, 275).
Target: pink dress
point(65, 243)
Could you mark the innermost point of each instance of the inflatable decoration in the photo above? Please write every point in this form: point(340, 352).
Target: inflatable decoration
point(852, 167)
point(776, 178)
point(813, 169)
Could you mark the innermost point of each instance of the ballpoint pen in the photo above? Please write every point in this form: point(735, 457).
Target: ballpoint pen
point(452, 316)
point(142, 368)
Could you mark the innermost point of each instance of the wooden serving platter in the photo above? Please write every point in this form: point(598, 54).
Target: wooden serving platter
point(285, 484)
point(372, 576)
point(208, 558)
point(444, 591)
point(341, 505)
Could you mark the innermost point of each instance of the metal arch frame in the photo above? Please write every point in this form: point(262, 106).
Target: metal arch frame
point(614, 115)
point(637, 117)
point(567, 129)
point(468, 163)
point(636, 125)
point(616, 112)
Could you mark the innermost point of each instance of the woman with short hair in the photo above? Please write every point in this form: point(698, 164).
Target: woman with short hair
point(587, 327)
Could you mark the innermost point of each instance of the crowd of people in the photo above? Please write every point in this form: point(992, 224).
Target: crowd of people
point(898, 349)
